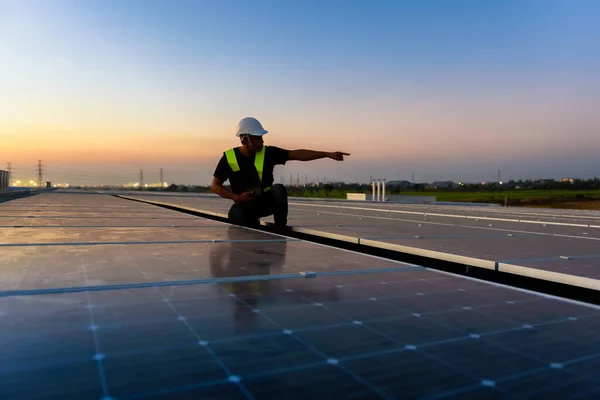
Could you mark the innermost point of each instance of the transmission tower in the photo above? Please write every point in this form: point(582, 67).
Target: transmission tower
point(141, 178)
point(40, 178)
point(162, 181)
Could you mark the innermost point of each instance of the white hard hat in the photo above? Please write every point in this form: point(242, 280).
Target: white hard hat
point(250, 126)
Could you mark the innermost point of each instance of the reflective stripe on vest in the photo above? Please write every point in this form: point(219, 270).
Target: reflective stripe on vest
point(259, 161)
point(230, 154)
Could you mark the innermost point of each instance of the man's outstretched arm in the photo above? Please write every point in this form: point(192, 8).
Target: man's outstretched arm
point(309, 155)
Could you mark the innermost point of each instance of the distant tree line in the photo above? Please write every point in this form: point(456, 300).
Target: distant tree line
point(538, 184)
point(339, 189)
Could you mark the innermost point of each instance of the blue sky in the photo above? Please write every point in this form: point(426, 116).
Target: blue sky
point(445, 89)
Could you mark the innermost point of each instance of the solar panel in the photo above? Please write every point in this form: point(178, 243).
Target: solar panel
point(528, 238)
point(256, 328)
point(344, 336)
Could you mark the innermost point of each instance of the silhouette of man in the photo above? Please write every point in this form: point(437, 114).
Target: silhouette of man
point(249, 169)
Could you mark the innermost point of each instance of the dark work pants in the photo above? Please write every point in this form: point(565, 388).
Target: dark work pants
point(274, 202)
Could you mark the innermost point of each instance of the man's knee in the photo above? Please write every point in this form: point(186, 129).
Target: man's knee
point(239, 215)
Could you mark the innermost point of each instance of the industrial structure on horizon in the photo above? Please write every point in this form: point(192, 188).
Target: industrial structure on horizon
point(4, 177)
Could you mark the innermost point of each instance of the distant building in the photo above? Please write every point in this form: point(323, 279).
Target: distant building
point(567, 180)
point(48, 185)
point(356, 196)
point(400, 184)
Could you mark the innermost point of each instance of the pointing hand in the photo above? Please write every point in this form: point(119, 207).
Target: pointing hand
point(337, 155)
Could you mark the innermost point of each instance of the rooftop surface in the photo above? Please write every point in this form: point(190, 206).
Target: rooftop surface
point(103, 297)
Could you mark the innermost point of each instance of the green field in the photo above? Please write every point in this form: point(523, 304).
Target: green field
point(582, 199)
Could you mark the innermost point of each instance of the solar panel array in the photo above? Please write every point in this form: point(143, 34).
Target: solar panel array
point(107, 298)
point(565, 242)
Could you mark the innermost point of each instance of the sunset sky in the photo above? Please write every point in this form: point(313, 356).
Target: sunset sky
point(446, 89)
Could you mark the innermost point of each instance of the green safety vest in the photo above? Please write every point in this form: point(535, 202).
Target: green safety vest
point(259, 162)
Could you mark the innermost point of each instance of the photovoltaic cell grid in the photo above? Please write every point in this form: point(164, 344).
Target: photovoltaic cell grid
point(188, 249)
point(420, 334)
point(404, 334)
point(566, 241)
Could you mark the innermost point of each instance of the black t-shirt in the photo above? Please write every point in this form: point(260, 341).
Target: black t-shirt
point(246, 179)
